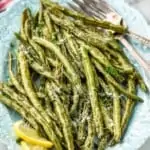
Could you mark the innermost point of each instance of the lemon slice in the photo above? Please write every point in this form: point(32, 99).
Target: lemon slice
point(29, 135)
point(26, 146)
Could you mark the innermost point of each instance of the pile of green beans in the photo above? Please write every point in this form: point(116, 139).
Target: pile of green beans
point(71, 79)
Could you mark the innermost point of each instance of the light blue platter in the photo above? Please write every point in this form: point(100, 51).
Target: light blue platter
point(139, 129)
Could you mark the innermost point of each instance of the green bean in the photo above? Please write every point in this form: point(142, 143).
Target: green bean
point(11, 93)
point(64, 118)
point(89, 142)
point(26, 47)
point(22, 26)
point(25, 75)
point(110, 40)
point(90, 79)
point(31, 121)
point(64, 92)
point(90, 28)
point(27, 29)
point(70, 53)
point(23, 102)
point(81, 133)
point(68, 25)
point(106, 116)
point(49, 108)
point(48, 22)
point(12, 104)
point(73, 52)
point(28, 24)
point(75, 102)
point(49, 111)
point(42, 70)
point(90, 39)
point(60, 39)
point(45, 34)
point(42, 82)
point(141, 82)
point(104, 85)
point(123, 65)
point(88, 20)
point(118, 61)
point(71, 45)
point(38, 50)
point(103, 142)
point(107, 119)
point(74, 76)
point(129, 105)
point(20, 38)
point(114, 83)
point(40, 16)
point(77, 65)
point(116, 114)
point(15, 82)
point(53, 62)
point(40, 95)
point(35, 19)
point(63, 50)
point(26, 13)
point(49, 101)
point(97, 54)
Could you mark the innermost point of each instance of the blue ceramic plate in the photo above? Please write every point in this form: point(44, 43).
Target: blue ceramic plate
point(139, 129)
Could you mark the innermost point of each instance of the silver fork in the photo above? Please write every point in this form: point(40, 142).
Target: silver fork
point(101, 9)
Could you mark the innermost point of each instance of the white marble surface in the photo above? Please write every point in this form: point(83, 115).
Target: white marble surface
point(142, 6)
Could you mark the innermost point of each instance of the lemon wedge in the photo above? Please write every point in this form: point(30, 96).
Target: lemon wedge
point(29, 135)
point(26, 146)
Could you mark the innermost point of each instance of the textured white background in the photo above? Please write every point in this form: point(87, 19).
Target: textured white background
point(142, 6)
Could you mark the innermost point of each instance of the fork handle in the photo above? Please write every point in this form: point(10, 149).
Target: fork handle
point(134, 53)
point(140, 38)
